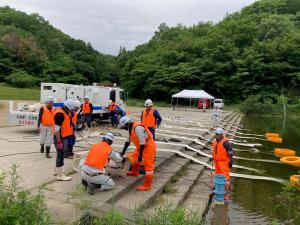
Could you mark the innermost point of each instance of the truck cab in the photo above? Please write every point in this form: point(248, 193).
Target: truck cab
point(202, 102)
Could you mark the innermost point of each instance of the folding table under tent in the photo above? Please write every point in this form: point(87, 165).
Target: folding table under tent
point(191, 94)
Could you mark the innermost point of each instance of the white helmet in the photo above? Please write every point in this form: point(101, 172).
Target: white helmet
point(77, 104)
point(109, 137)
point(70, 104)
point(124, 120)
point(49, 99)
point(86, 97)
point(148, 102)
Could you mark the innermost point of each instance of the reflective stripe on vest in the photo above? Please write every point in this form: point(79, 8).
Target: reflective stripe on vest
point(98, 155)
point(66, 128)
point(134, 137)
point(112, 107)
point(148, 118)
point(47, 117)
point(219, 152)
point(86, 108)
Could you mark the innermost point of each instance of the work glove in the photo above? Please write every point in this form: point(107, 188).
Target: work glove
point(210, 159)
point(140, 159)
point(230, 165)
point(123, 159)
point(127, 143)
point(59, 146)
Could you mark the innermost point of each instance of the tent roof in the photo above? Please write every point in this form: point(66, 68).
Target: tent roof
point(192, 94)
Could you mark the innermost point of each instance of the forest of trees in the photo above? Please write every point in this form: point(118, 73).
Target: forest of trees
point(254, 51)
point(31, 51)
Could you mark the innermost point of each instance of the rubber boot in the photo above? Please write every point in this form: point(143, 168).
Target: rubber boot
point(48, 152)
point(42, 149)
point(91, 188)
point(84, 184)
point(61, 176)
point(135, 170)
point(147, 183)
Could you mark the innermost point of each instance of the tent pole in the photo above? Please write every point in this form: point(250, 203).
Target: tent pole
point(171, 102)
point(177, 103)
point(190, 103)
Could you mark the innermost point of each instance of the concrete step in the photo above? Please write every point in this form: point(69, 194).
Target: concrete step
point(199, 199)
point(134, 199)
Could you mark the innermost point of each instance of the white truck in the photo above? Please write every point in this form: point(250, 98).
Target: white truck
point(219, 103)
point(99, 96)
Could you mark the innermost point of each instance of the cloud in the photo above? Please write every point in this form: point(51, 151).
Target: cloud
point(108, 24)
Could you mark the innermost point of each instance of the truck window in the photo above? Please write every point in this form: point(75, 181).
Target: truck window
point(112, 95)
point(122, 96)
point(47, 87)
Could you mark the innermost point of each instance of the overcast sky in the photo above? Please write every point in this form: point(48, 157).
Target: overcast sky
point(108, 24)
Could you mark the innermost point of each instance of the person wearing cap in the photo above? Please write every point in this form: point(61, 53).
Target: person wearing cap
point(145, 150)
point(222, 156)
point(113, 112)
point(62, 132)
point(87, 111)
point(46, 125)
point(93, 167)
point(150, 117)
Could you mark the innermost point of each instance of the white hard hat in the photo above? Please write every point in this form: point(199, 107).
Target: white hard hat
point(49, 99)
point(219, 130)
point(148, 102)
point(86, 97)
point(124, 120)
point(109, 137)
point(77, 104)
point(70, 104)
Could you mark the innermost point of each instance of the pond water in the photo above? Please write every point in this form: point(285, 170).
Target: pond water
point(254, 202)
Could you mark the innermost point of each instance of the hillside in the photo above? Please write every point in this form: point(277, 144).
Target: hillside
point(31, 50)
point(254, 51)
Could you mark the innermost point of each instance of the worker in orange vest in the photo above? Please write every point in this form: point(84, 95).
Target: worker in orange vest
point(223, 157)
point(62, 132)
point(145, 150)
point(87, 110)
point(72, 139)
point(113, 112)
point(150, 117)
point(46, 125)
point(93, 171)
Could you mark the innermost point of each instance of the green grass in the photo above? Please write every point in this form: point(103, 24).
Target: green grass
point(133, 102)
point(12, 93)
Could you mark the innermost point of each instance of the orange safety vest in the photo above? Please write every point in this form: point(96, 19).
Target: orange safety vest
point(47, 117)
point(219, 152)
point(134, 138)
point(148, 118)
point(74, 119)
point(112, 107)
point(66, 128)
point(98, 155)
point(86, 108)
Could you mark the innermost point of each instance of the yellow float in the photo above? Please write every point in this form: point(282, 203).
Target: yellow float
point(281, 152)
point(275, 139)
point(291, 160)
point(267, 135)
point(295, 180)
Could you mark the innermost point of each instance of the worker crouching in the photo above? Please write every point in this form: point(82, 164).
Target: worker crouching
point(145, 150)
point(93, 171)
point(223, 157)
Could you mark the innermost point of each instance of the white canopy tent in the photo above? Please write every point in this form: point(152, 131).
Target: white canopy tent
point(191, 94)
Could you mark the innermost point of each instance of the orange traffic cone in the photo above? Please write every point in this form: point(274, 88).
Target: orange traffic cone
point(135, 169)
point(147, 183)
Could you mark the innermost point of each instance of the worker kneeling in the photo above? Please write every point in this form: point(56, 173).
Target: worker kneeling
point(93, 171)
point(145, 150)
point(223, 157)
